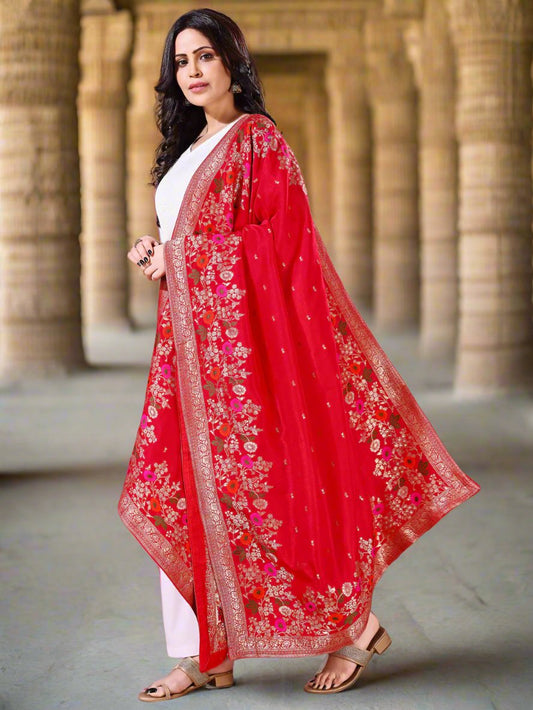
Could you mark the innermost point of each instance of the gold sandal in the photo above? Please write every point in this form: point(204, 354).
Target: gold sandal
point(199, 680)
point(379, 644)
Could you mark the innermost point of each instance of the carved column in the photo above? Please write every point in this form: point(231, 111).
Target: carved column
point(394, 116)
point(285, 86)
point(40, 324)
point(349, 123)
point(296, 98)
point(106, 45)
point(142, 140)
point(319, 148)
point(493, 39)
point(435, 72)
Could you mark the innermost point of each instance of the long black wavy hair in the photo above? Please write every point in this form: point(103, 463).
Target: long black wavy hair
point(179, 121)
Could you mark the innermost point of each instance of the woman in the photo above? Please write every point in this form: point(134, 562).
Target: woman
point(281, 464)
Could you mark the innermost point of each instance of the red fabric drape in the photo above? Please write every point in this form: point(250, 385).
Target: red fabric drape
point(281, 463)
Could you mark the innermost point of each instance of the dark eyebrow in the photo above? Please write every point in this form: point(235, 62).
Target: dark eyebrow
point(206, 46)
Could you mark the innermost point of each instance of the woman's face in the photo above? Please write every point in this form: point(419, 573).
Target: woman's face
point(200, 73)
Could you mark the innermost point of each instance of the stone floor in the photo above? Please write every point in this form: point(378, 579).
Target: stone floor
point(81, 623)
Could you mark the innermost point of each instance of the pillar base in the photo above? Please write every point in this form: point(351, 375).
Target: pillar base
point(35, 352)
point(493, 372)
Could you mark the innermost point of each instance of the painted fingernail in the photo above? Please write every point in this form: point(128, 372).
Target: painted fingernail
point(139, 263)
point(152, 690)
point(145, 260)
point(150, 252)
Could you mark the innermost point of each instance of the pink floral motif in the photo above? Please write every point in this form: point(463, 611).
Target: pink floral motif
point(236, 404)
point(280, 624)
point(221, 291)
point(415, 498)
point(149, 475)
point(144, 421)
point(227, 347)
point(165, 371)
point(218, 238)
point(247, 461)
point(270, 569)
point(310, 606)
point(386, 452)
point(256, 519)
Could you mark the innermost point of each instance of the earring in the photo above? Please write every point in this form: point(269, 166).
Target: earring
point(236, 88)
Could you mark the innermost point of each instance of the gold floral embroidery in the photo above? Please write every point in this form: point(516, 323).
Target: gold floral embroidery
point(205, 260)
point(152, 498)
point(263, 613)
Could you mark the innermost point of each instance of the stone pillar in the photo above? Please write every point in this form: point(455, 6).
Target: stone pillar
point(438, 184)
point(351, 195)
point(319, 148)
point(394, 119)
point(40, 324)
point(296, 98)
point(493, 40)
point(286, 89)
point(105, 51)
point(142, 140)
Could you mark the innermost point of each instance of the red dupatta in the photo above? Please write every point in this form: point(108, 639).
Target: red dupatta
point(281, 463)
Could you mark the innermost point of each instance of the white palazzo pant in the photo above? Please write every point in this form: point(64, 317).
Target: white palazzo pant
point(181, 625)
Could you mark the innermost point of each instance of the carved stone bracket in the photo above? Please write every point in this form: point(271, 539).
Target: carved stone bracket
point(390, 73)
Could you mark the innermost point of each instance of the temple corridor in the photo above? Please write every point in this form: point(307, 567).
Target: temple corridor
point(412, 121)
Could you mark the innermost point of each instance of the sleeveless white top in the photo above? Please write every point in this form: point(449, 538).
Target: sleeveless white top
point(171, 190)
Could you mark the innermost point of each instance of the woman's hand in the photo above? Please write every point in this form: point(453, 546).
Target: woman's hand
point(143, 253)
point(142, 250)
point(156, 266)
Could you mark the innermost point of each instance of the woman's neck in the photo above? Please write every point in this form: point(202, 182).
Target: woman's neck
point(217, 120)
point(214, 125)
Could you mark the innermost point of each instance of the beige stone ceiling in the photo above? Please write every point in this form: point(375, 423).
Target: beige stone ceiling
point(398, 8)
point(92, 6)
point(89, 7)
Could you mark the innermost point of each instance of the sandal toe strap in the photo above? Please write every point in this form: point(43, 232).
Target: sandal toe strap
point(165, 688)
point(352, 653)
point(192, 669)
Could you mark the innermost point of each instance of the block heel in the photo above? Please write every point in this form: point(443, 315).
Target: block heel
point(383, 642)
point(198, 680)
point(360, 657)
point(221, 680)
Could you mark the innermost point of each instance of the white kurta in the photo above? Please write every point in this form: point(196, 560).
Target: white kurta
point(181, 626)
point(171, 190)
